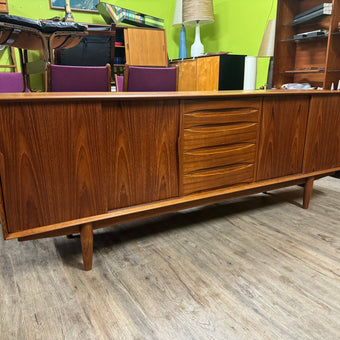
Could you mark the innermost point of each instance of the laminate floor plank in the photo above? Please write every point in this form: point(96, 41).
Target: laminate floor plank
point(259, 267)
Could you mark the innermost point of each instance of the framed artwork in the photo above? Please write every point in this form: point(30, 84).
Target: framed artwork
point(76, 5)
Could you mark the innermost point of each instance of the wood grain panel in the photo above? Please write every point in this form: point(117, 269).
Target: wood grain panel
point(202, 137)
point(282, 136)
point(311, 53)
point(212, 179)
point(186, 74)
point(200, 105)
point(52, 156)
point(322, 149)
point(208, 70)
point(143, 152)
point(145, 47)
point(222, 116)
point(217, 157)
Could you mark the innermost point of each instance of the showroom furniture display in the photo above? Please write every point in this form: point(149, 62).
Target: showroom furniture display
point(73, 163)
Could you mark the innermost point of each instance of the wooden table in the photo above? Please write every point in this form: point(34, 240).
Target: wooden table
point(75, 162)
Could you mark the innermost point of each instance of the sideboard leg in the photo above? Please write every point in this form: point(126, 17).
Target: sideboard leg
point(307, 193)
point(86, 239)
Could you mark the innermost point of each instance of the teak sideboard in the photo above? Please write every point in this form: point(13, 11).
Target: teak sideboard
point(76, 162)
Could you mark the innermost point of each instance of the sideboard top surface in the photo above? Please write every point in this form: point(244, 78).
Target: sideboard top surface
point(114, 96)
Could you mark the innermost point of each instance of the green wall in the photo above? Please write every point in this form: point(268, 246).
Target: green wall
point(238, 26)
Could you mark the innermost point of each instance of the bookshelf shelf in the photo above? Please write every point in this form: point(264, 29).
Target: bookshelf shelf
point(300, 71)
point(306, 39)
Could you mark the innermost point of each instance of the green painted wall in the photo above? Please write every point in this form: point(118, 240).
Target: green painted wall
point(238, 26)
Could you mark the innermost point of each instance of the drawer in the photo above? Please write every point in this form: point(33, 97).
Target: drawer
point(202, 137)
point(217, 178)
point(218, 157)
point(222, 116)
point(199, 105)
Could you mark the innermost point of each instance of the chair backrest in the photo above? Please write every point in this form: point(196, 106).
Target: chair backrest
point(11, 82)
point(143, 79)
point(62, 78)
point(119, 83)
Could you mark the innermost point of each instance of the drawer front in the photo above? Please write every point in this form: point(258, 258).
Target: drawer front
point(217, 178)
point(218, 157)
point(223, 116)
point(202, 137)
point(201, 105)
point(219, 142)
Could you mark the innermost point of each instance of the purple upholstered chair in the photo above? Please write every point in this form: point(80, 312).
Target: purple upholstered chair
point(63, 78)
point(143, 79)
point(11, 82)
point(119, 83)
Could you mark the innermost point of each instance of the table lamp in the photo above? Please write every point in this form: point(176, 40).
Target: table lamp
point(178, 21)
point(197, 12)
point(267, 48)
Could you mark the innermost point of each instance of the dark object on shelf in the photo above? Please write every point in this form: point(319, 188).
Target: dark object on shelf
point(326, 7)
point(313, 13)
point(311, 34)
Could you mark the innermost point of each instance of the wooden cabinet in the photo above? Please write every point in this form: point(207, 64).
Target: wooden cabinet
point(323, 135)
point(3, 6)
point(71, 163)
point(145, 47)
point(139, 47)
point(74, 160)
point(302, 58)
point(282, 138)
point(212, 73)
point(219, 143)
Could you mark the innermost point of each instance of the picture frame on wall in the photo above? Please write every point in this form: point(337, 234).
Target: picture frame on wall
point(76, 5)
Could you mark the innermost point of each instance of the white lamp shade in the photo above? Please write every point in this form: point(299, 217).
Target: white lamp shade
point(198, 10)
point(178, 14)
point(268, 40)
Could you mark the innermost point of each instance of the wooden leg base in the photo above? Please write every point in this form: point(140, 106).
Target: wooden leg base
point(86, 239)
point(307, 193)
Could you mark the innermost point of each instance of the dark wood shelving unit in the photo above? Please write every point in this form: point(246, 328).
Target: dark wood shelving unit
point(314, 60)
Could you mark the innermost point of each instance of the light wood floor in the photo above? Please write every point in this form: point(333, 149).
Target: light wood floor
point(260, 267)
